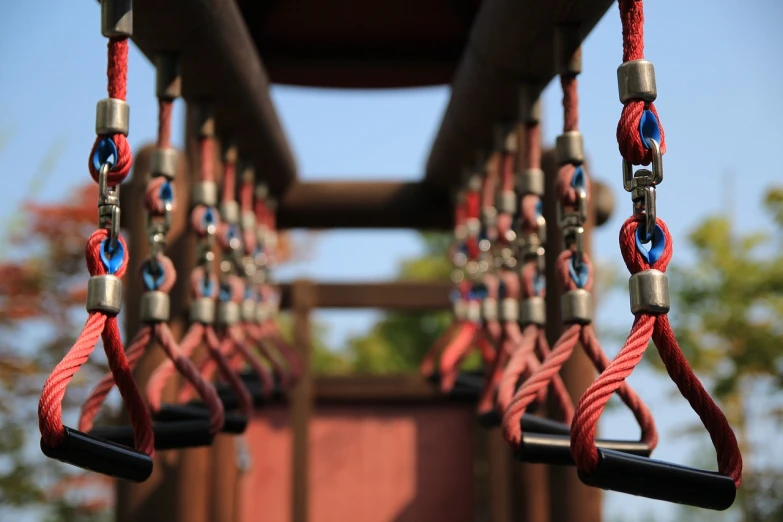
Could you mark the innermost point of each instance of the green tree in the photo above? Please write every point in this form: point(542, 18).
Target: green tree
point(729, 307)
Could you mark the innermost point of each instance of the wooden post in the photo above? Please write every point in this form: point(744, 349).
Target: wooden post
point(571, 501)
point(303, 300)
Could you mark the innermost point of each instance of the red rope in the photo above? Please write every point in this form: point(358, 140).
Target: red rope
point(229, 180)
point(98, 325)
point(165, 110)
point(628, 138)
point(117, 73)
point(657, 328)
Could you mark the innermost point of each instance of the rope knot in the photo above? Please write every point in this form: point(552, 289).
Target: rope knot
point(637, 257)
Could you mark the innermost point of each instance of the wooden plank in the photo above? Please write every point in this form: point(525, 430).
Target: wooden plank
point(220, 65)
point(402, 295)
point(386, 389)
point(511, 42)
point(384, 204)
point(364, 204)
point(301, 402)
point(350, 44)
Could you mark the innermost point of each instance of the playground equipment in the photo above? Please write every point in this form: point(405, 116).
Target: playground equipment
point(509, 292)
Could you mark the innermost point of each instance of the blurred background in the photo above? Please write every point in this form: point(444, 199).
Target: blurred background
point(719, 82)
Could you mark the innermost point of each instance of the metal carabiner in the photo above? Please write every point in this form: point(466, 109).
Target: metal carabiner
point(108, 206)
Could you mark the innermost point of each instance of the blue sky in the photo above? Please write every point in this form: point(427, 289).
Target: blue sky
point(719, 82)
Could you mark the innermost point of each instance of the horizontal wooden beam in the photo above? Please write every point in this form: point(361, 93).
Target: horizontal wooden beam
point(400, 295)
point(220, 65)
point(511, 42)
point(387, 389)
point(384, 204)
point(364, 204)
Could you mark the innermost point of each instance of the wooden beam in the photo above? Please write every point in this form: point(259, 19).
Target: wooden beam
point(384, 204)
point(364, 204)
point(402, 295)
point(511, 42)
point(220, 65)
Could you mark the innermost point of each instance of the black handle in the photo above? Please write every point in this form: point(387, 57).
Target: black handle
point(556, 449)
point(229, 398)
point(101, 456)
point(661, 481)
point(180, 434)
point(535, 425)
point(490, 419)
point(253, 379)
point(233, 422)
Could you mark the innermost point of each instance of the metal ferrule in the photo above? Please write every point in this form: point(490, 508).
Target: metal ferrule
point(649, 291)
point(248, 311)
point(460, 309)
point(473, 226)
point(533, 311)
point(228, 313)
point(636, 81)
point(577, 307)
point(569, 148)
point(203, 120)
point(507, 202)
point(248, 221)
point(474, 311)
point(229, 212)
point(531, 181)
point(204, 193)
point(263, 312)
point(155, 307)
point(529, 245)
point(117, 18)
point(490, 216)
point(163, 162)
point(509, 309)
point(489, 309)
point(112, 116)
point(202, 310)
point(104, 294)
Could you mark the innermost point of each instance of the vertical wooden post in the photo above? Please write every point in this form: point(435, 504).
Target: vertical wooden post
point(303, 299)
point(571, 501)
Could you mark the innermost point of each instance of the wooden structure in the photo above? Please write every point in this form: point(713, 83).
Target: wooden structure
point(231, 52)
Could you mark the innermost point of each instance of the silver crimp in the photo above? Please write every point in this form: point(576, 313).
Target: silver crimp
point(116, 18)
point(112, 116)
point(474, 311)
point(636, 81)
point(529, 106)
point(489, 309)
point(577, 307)
point(263, 312)
point(248, 221)
point(509, 309)
point(104, 294)
point(507, 202)
point(204, 193)
point(649, 291)
point(531, 181)
point(570, 149)
point(202, 310)
point(155, 307)
point(248, 311)
point(228, 313)
point(229, 212)
point(163, 162)
point(533, 311)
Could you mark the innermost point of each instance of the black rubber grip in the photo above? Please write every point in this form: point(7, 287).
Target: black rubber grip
point(556, 449)
point(103, 456)
point(190, 433)
point(233, 422)
point(661, 481)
